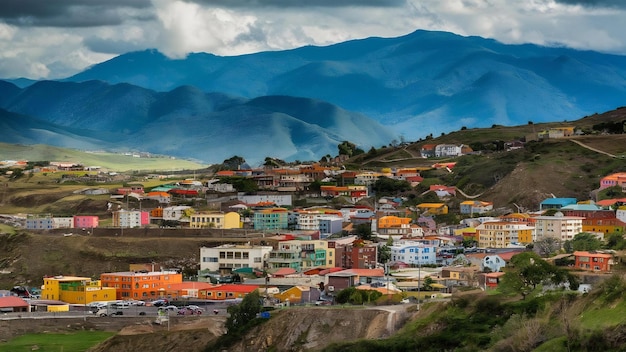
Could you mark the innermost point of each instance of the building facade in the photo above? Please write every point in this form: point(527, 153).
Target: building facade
point(230, 220)
point(413, 253)
point(140, 285)
point(503, 234)
point(232, 256)
point(76, 290)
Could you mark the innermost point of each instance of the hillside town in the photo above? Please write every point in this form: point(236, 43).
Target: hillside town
point(308, 254)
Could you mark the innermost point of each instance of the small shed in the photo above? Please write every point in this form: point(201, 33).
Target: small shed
point(11, 304)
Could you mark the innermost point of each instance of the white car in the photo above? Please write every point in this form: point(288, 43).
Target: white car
point(138, 303)
point(122, 305)
point(170, 308)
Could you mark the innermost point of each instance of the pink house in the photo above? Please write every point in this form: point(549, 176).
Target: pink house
point(85, 221)
point(616, 179)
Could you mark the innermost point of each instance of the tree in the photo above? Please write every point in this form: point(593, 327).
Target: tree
point(388, 186)
point(527, 270)
point(363, 231)
point(615, 241)
point(585, 241)
point(546, 246)
point(243, 313)
point(428, 283)
point(233, 163)
point(384, 252)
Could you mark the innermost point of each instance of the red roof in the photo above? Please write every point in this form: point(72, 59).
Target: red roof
point(330, 270)
point(283, 272)
point(233, 288)
point(12, 301)
point(380, 272)
point(190, 285)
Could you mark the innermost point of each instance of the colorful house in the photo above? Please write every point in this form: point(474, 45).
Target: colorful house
point(593, 261)
point(616, 179)
point(76, 290)
point(394, 225)
point(475, 207)
point(230, 220)
point(433, 208)
point(86, 221)
point(226, 291)
point(141, 285)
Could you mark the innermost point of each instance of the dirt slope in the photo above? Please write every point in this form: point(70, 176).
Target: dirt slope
point(312, 329)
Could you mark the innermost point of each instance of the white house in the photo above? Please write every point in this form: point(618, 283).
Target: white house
point(413, 253)
point(233, 257)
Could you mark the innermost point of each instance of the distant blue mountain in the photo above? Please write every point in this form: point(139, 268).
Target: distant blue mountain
point(184, 122)
point(425, 82)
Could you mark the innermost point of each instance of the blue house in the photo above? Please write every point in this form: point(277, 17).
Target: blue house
point(556, 203)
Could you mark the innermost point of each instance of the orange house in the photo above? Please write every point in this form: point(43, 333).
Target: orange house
point(593, 261)
point(227, 291)
point(141, 285)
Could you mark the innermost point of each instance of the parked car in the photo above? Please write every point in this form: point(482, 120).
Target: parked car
point(137, 303)
point(195, 308)
point(169, 308)
point(188, 311)
point(122, 305)
point(160, 302)
point(323, 302)
point(103, 312)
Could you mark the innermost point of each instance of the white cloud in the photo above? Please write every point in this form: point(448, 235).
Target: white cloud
point(179, 27)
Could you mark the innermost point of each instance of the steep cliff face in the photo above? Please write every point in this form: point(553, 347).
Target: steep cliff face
point(313, 328)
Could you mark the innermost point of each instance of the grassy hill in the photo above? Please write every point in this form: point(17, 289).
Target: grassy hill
point(568, 167)
point(109, 161)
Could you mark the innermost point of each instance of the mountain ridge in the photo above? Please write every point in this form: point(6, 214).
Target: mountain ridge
point(403, 81)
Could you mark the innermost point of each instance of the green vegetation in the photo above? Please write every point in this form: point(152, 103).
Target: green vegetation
point(111, 161)
point(242, 318)
point(556, 321)
point(79, 341)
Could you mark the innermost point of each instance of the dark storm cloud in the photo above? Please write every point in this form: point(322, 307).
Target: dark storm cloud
point(595, 3)
point(300, 3)
point(105, 46)
point(70, 13)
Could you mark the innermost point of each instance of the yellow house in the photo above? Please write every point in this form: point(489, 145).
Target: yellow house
point(433, 208)
point(230, 220)
point(501, 234)
point(294, 294)
point(393, 225)
point(75, 290)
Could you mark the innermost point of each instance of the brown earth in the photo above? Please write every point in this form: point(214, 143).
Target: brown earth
point(292, 329)
point(25, 258)
point(312, 329)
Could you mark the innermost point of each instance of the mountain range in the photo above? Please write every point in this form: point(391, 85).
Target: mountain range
point(301, 103)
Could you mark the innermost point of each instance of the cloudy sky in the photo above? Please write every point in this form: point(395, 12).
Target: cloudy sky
point(57, 38)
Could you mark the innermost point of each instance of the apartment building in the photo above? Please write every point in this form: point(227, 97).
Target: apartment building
point(140, 285)
point(502, 234)
point(75, 290)
point(215, 220)
point(559, 226)
point(233, 256)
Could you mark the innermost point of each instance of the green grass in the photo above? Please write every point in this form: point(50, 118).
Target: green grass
point(111, 161)
point(74, 342)
point(603, 315)
point(7, 229)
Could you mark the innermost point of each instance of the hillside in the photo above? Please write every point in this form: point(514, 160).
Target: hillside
point(570, 167)
point(118, 162)
point(184, 122)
